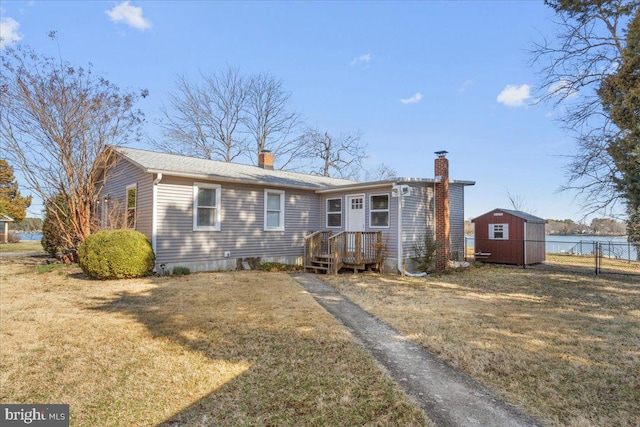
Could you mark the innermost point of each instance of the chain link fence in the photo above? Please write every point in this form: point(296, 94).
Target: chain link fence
point(600, 256)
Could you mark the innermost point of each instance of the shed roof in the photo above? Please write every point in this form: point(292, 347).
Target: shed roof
point(523, 215)
point(6, 218)
point(177, 165)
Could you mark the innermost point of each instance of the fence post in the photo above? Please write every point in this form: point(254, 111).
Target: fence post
point(596, 251)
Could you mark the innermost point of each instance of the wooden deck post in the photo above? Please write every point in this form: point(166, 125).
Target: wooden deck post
point(335, 257)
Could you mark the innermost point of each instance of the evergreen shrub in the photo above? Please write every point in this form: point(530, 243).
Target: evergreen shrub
point(116, 254)
point(425, 253)
point(181, 271)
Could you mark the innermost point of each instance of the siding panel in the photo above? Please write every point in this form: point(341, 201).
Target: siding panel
point(123, 174)
point(456, 221)
point(417, 212)
point(241, 227)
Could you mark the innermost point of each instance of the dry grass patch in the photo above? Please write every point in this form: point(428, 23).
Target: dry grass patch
point(563, 345)
point(206, 349)
point(22, 246)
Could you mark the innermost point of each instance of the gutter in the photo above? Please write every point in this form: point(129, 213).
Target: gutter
point(387, 183)
point(400, 254)
point(218, 178)
point(154, 213)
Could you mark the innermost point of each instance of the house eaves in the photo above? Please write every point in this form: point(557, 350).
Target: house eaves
point(386, 183)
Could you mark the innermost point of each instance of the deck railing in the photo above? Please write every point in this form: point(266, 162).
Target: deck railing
point(356, 248)
point(316, 245)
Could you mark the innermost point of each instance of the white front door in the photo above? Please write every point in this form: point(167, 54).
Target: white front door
point(355, 213)
point(355, 219)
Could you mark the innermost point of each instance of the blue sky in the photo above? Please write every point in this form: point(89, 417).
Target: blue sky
point(413, 77)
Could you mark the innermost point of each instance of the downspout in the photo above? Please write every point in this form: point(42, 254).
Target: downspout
point(399, 251)
point(154, 214)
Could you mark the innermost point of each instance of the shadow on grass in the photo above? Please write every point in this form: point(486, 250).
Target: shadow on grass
point(303, 368)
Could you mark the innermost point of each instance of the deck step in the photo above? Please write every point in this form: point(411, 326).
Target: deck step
point(316, 268)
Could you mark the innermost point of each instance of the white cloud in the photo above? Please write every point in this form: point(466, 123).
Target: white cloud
point(129, 15)
point(9, 32)
point(515, 96)
point(362, 59)
point(413, 100)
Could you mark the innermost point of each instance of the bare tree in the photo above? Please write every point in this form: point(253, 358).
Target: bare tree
point(337, 157)
point(271, 123)
point(380, 172)
point(584, 53)
point(56, 122)
point(519, 203)
point(204, 119)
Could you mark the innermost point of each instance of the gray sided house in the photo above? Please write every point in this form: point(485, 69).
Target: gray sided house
point(209, 215)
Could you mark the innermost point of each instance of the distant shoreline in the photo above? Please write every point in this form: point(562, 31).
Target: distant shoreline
point(586, 235)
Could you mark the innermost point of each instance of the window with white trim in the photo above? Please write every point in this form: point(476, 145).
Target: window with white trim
point(379, 211)
point(273, 210)
point(130, 213)
point(334, 213)
point(206, 207)
point(498, 231)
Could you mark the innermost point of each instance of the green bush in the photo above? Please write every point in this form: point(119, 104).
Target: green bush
point(181, 271)
point(116, 254)
point(278, 266)
point(425, 253)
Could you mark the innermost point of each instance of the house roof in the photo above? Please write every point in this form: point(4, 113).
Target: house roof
point(523, 215)
point(6, 218)
point(191, 167)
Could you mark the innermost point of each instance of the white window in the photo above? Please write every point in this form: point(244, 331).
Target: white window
point(206, 207)
point(334, 213)
point(130, 213)
point(499, 231)
point(379, 212)
point(273, 210)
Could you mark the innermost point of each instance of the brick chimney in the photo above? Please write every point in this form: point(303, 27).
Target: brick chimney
point(265, 160)
point(443, 246)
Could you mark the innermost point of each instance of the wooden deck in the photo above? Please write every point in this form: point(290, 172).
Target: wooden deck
point(326, 252)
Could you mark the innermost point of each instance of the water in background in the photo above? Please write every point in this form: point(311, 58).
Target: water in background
point(30, 236)
point(613, 247)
